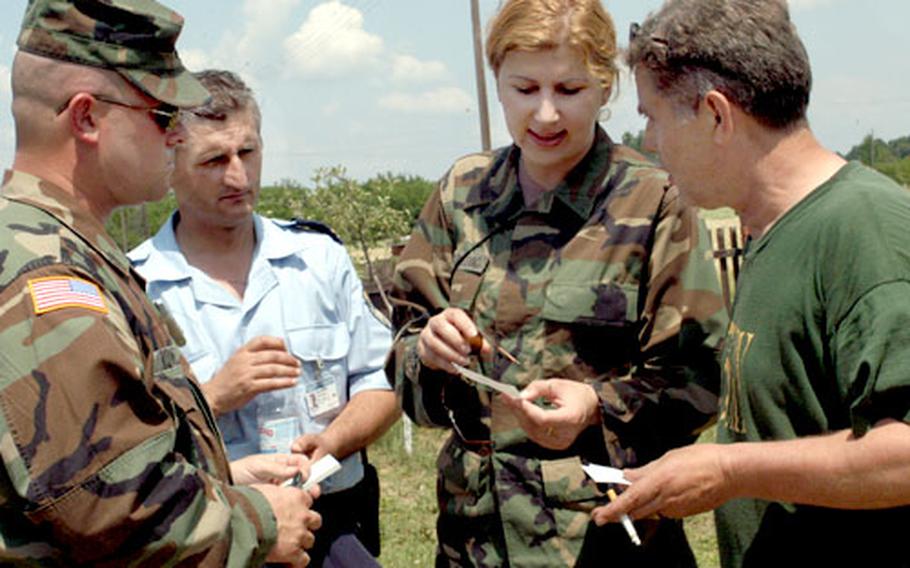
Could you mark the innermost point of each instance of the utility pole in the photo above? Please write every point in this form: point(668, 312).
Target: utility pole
point(481, 79)
point(872, 148)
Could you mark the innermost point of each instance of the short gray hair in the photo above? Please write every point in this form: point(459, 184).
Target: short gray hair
point(229, 96)
point(748, 50)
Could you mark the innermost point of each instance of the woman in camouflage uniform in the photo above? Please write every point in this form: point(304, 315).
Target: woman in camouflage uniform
point(572, 254)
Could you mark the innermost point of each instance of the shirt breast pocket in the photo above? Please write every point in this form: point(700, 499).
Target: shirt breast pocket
point(591, 329)
point(322, 350)
point(203, 363)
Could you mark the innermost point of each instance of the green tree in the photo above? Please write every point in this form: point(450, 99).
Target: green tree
point(383, 207)
point(900, 146)
point(872, 151)
point(406, 193)
point(633, 140)
point(362, 217)
point(280, 201)
point(898, 170)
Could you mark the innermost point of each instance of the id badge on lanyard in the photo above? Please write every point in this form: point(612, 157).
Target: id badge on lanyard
point(321, 393)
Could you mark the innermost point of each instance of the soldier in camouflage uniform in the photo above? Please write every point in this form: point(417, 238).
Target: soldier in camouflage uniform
point(110, 456)
point(572, 254)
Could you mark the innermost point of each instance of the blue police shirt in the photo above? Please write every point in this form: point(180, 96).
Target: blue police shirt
point(302, 287)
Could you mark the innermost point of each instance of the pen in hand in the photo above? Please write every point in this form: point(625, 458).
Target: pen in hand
point(297, 481)
point(319, 470)
point(626, 521)
point(476, 343)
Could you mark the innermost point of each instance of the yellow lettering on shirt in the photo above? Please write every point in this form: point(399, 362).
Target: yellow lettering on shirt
point(735, 350)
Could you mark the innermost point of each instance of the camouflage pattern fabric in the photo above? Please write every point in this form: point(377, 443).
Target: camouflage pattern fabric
point(135, 38)
point(606, 280)
point(110, 455)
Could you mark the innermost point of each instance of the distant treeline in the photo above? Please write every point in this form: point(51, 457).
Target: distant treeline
point(385, 206)
point(382, 207)
point(891, 158)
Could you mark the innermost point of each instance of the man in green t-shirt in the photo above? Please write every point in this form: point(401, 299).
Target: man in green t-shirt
point(813, 464)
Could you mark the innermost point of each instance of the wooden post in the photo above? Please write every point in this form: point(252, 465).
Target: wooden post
point(481, 78)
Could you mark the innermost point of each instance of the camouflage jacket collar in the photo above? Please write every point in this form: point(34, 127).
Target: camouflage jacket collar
point(31, 190)
point(579, 192)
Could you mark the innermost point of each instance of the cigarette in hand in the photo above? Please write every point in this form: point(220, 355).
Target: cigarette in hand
point(626, 521)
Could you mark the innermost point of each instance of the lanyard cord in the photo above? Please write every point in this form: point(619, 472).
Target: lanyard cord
point(504, 226)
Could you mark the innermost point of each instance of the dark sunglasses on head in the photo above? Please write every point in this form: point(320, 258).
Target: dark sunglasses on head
point(165, 116)
point(635, 33)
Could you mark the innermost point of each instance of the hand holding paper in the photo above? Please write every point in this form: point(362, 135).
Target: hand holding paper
point(683, 482)
point(319, 470)
point(568, 408)
point(486, 381)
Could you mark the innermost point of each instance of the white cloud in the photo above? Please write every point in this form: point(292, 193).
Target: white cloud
point(407, 68)
point(332, 43)
point(262, 25)
point(445, 100)
point(195, 59)
point(200, 60)
point(251, 49)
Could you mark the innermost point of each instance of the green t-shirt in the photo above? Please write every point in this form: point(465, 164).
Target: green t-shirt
point(820, 341)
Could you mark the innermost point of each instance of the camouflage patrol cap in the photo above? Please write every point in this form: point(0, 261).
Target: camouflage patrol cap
point(135, 38)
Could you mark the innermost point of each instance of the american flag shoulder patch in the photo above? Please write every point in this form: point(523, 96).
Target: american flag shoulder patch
point(57, 292)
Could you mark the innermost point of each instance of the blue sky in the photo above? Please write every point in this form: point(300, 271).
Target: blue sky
point(388, 85)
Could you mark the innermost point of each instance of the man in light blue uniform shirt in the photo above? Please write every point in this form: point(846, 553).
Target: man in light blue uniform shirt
point(266, 305)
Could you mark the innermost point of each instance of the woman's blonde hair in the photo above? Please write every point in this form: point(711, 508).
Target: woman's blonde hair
point(535, 25)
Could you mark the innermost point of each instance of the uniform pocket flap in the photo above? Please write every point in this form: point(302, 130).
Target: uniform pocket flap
point(166, 362)
point(595, 303)
point(564, 481)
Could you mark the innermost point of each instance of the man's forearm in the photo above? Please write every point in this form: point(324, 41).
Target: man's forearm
point(364, 419)
point(210, 393)
point(835, 470)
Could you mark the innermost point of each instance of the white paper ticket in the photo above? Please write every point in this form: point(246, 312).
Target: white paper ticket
point(487, 381)
point(605, 474)
point(319, 470)
point(322, 468)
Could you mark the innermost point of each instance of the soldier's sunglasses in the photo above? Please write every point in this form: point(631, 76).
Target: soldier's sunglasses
point(165, 116)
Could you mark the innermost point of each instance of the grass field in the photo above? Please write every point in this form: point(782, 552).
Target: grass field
point(408, 506)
